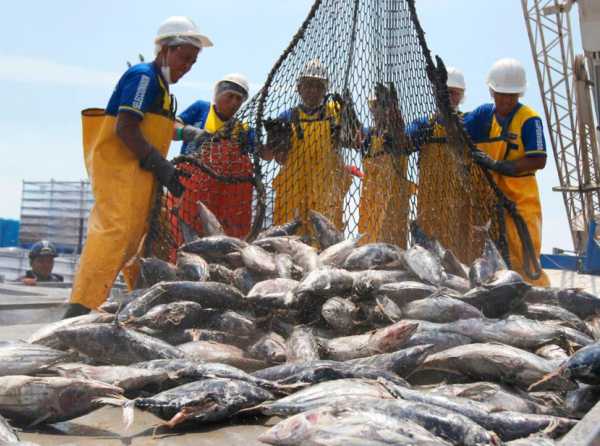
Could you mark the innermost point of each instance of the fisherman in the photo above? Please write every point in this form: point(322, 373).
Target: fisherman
point(196, 126)
point(427, 128)
point(386, 191)
point(429, 136)
point(41, 259)
point(124, 150)
point(510, 137)
point(305, 140)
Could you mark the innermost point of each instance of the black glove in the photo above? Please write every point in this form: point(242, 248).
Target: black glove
point(164, 171)
point(503, 167)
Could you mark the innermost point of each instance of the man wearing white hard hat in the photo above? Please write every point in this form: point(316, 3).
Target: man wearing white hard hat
point(429, 137)
point(230, 202)
point(304, 141)
point(124, 150)
point(510, 137)
point(203, 118)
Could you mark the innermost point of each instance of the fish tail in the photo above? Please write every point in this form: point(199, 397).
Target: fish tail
point(120, 401)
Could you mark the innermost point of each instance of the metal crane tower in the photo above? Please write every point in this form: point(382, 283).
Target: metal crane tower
point(566, 92)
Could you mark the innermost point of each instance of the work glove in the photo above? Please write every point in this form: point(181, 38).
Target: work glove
point(503, 167)
point(165, 172)
point(194, 135)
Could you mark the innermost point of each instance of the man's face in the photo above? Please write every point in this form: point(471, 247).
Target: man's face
point(42, 265)
point(505, 102)
point(181, 59)
point(312, 91)
point(228, 103)
point(455, 95)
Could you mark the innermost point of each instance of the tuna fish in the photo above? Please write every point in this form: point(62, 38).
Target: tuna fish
point(114, 344)
point(337, 254)
point(46, 335)
point(496, 362)
point(383, 340)
point(270, 348)
point(207, 294)
point(214, 248)
point(425, 265)
point(21, 358)
point(175, 315)
point(367, 282)
point(374, 256)
point(272, 293)
point(327, 425)
point(440, 308)
point(28, 400)
point(203, 351)
point(192, 267)
point(153, 270)
point(210, 224)
point(126, 377)
point(340, 314)
point(325, 393)
point(303, 255)
point(577, 301)
point(259, 261)
point(289, 228)
point(302, 346)
point(322, 284)
point(501, 295)
point(327, 234)
point(205, 401)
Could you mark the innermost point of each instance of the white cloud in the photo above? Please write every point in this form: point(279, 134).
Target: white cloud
point(45, 71)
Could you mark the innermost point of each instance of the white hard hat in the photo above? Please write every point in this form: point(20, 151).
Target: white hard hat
point(233, 82)
point(456, 79)
point(507, 76)
point(314, 69)
point(180, 30)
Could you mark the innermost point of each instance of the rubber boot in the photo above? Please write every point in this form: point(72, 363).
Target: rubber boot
point(74, 310)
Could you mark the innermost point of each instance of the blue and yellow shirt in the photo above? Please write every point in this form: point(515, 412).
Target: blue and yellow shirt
point(523, 128)
point(141, 90)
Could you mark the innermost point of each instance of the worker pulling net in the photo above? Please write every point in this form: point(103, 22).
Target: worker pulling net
point(353, 123)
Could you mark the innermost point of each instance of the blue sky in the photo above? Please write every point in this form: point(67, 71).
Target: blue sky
point(63, 56)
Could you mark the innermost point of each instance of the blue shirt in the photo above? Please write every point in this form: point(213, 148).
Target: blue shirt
point(140, 90)
point(196, 115)
point(479, 121)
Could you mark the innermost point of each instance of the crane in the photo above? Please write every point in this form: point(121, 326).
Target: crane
point(567, 92)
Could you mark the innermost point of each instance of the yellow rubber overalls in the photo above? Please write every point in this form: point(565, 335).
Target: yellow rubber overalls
point(313, 176)
point(123, 194)
point(522, 190)
point(442, 210)
point(385, 195)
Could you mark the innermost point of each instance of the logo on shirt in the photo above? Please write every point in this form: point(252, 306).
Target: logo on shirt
point(539, 134)
point(141, 91)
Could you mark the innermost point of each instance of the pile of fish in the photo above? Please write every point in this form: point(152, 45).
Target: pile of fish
point(348, 344)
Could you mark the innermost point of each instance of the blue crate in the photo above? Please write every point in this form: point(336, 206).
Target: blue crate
point(9, 232)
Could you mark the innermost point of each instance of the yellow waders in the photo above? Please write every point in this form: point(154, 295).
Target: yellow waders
point(443, 209)
point(313, 177)
point(522, 190)
point(123, 194)
point(384, 198)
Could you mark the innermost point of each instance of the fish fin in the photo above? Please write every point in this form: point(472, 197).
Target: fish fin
point(547, 377)
point(126, 404)
point(40, 419)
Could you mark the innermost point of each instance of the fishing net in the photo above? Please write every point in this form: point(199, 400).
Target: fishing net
point(354, 122)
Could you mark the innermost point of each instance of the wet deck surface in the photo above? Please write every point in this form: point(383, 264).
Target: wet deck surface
point(105, 427)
